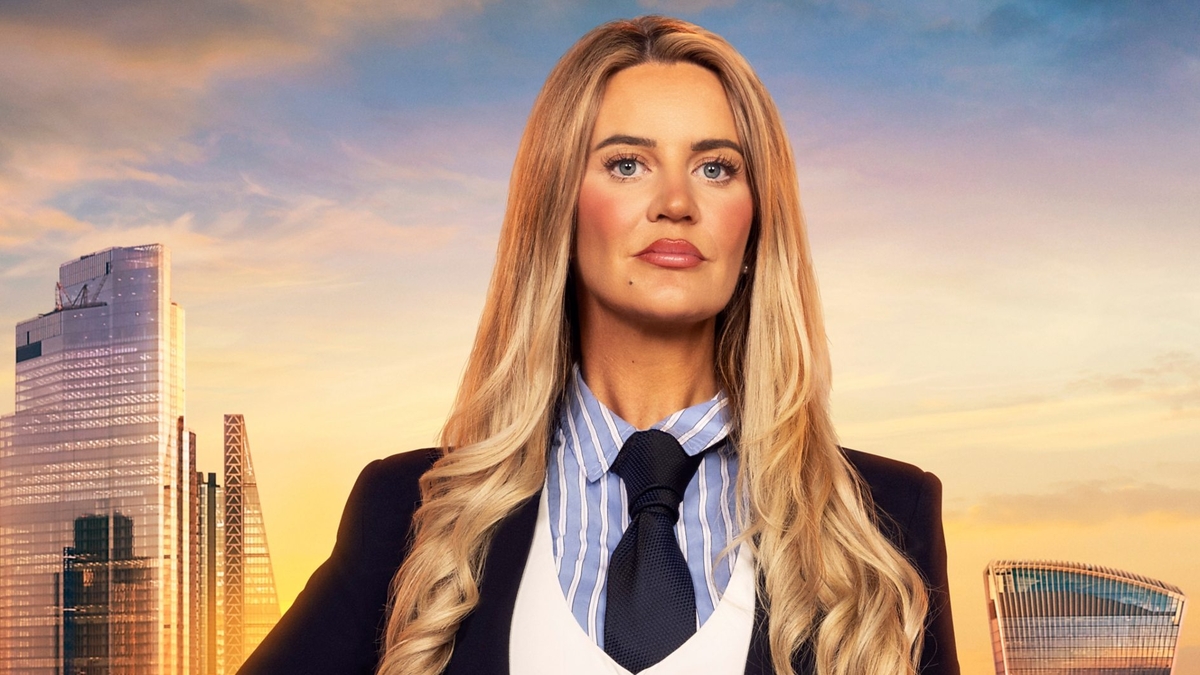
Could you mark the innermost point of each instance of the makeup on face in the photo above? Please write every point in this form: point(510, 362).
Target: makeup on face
point(664, 207)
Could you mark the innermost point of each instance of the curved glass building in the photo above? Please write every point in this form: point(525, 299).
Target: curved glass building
point(1062, 617)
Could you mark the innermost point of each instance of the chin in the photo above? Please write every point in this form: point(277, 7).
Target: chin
point(674, 317)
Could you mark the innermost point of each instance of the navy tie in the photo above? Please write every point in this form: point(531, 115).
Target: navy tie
point(651, 604)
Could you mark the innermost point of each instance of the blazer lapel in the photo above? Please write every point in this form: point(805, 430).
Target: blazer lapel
point(481, 644)
point(758, 661)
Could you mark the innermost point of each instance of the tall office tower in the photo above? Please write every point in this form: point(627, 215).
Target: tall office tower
point(1072, 618)
point(194, 569)
point(251, 604)
point(210, 632)
point(95, 490)
point(105, 591)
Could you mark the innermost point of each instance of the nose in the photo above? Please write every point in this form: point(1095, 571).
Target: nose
point(673, 201)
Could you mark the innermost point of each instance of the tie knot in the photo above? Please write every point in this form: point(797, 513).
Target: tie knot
point(656, 471)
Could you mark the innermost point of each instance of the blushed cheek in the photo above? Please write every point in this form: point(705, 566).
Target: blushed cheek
point(599, 216)
point(735, 216)
point(595, 238)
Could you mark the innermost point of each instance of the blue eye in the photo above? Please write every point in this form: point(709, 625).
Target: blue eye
point(719, 170)
point(625, 167)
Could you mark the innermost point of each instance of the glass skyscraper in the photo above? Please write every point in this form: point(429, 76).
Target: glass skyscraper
point(98, 486)
point(1071, 618)
point(251, 603)
point(117, 556)
point(210, 623)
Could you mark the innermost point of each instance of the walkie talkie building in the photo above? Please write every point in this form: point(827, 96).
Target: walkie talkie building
point(1061, 617)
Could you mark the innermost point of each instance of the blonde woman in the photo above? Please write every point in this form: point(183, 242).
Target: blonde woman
point(639, 473)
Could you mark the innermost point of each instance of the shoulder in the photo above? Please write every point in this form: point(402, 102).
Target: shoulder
point(908, 506)
point(907, 499)
point(334, 624)
point(898, 488)
point(400, 472)
point(395, 478)
point(383, 500)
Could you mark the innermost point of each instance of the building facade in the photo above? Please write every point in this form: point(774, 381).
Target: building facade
point(251, 602)
point(211, 620)
point(97, 478)
point(1076, 619)
point(117, 556)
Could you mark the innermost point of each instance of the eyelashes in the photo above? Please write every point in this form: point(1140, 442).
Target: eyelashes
point(726, 165)
point(717, 169)
point(625, 166)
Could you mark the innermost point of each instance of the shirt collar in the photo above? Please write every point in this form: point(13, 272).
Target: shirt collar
point(596, 433)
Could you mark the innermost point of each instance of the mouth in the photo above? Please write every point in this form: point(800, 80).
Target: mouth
point(671, 253)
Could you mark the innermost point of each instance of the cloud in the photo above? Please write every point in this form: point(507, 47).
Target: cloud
point(74, 110)
point(1104, 39)
point(684, 6)
point(1173, 379)
point(1085, 503)
point(1009, 21)
point(162, 26)
point(301, 240)
point(65, 85)
point(135, 90)
point(153, 121)
point(1057, 58)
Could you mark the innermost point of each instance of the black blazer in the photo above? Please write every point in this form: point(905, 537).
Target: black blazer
point(335, 626)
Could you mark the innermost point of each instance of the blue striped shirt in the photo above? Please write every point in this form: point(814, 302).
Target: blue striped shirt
point(588, 505)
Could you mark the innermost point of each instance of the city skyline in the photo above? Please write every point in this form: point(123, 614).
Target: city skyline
point(1000, 198)
point(116, 554)
point(227, 586)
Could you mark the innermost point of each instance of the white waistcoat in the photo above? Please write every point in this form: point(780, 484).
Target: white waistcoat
point(547, 640)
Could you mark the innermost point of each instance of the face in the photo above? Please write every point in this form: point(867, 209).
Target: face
point(665, 206)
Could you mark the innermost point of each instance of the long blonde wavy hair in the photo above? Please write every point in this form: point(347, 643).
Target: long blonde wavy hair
point(828, 574)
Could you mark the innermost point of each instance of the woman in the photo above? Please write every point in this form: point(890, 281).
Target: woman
point(652, 268)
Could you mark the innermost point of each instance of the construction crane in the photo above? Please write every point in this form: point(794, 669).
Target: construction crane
point(63, 300)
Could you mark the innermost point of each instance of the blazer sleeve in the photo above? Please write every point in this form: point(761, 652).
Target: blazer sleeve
point(926, 547)
point(336, 623)
point(908, 502)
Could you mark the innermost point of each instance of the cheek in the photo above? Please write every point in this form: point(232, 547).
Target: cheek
point(600, 216)
point(735, 215)
point(604, 222)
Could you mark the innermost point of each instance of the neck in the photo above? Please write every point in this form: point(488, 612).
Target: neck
point(644, 373)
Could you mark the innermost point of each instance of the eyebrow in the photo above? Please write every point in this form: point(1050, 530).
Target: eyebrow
point(698, 146)
point(714, 143)
point(620, 139)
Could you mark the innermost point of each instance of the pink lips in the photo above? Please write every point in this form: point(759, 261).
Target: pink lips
point(671, 253)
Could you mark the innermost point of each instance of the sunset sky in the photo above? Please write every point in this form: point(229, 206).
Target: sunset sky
point(1003, 201)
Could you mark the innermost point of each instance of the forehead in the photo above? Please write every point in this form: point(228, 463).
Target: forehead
point(665, 101)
